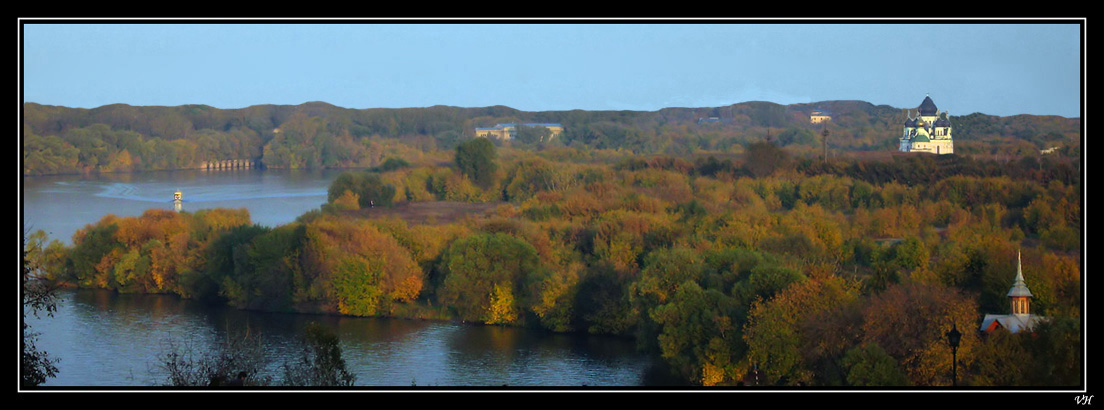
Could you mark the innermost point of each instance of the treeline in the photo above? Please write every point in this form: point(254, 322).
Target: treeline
point(792, 271)
point(123, 138)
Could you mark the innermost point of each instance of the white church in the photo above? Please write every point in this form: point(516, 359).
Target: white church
point(929, 131)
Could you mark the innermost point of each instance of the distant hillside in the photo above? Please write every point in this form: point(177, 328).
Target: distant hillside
point(121, 137)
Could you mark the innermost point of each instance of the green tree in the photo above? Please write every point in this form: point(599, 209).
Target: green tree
point(90, 245)
point(476, 265)
point(368, 187)
point(532, 135)
point(699, 335)
point(602, 303)
point(221, 255)
point(267, 272)
point(356, 284)
point(796, 136)
point(664, 271)
point(477, 159)
point(1056, 346)
point(392, 163)
point(870, 365)
point(765, 280)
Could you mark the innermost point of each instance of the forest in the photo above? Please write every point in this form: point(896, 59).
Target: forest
point(123, 138)
point(734, 251)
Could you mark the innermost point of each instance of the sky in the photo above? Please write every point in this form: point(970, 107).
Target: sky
point(996, 67)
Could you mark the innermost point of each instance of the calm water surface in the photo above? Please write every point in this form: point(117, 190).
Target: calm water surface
point(62, 204)
point(108, 339)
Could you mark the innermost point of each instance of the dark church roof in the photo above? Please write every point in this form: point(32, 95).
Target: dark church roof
point(928, 107)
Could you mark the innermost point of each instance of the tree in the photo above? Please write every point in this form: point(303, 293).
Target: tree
point(796, 136)
point(1056, 346)
point(39, 295)
point(764, 158)
point(392, 163)
point(356, 269)
point(502, 309)
point(602, 303)
point(240, 360)
point(664, 271)
point(369, 189)
point(870, 365)
point(910, 320)
point(532, 135)
point(320, 363)
point(476, 265)
point(90, 245)
point(778, 330)
point(185, 365)
point(476, 159)
point(699, 336)
point(266, 268)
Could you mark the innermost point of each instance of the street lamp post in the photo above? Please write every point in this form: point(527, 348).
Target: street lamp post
point(953, 338)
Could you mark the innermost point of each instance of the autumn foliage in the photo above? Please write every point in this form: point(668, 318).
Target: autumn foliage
point(842, 274)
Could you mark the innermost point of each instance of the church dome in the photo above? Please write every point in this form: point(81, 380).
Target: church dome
point(927, 107)
point(942, 122)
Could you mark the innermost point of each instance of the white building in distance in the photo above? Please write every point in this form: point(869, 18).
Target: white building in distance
point(928, 132)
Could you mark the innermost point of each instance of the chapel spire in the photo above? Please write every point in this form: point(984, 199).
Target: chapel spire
point(1019, 292)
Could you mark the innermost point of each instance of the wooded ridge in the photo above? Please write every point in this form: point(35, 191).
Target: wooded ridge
point(122, 138)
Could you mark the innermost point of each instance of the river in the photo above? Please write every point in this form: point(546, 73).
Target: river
point(61, 204)
point(104, 339)
point(108, 339)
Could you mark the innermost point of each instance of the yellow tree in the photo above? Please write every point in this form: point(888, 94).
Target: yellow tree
point(361, 269)
point(777, 331)
point(502, 309)
point(910, 321)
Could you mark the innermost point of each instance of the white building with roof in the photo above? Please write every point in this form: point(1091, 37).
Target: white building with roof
point(929, 131)
point(819, 116)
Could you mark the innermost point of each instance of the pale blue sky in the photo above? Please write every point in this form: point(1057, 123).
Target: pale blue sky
point(997, 69)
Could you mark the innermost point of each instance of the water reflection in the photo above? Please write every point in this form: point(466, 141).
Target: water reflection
point(108, 339)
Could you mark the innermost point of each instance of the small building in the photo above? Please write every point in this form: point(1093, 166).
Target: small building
point(1021, 317)
point(509, 130)
point(929, 132)
point(817, 117)
point(708, 120)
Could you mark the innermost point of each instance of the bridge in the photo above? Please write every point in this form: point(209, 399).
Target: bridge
point(230, 164)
